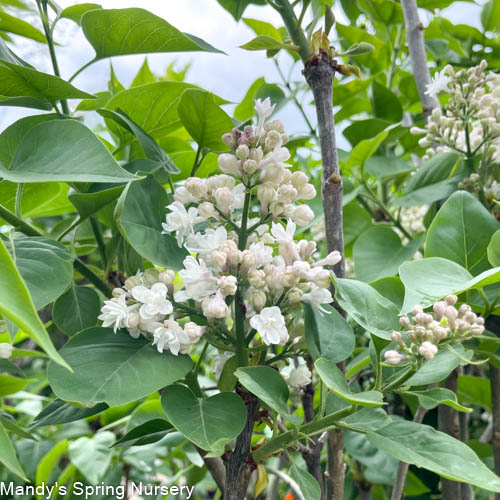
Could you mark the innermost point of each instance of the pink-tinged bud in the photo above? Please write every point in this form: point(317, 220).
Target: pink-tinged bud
point(194, 331)
point(451, 299)
point(417, 309)
point(227, 285)
point(428, 350)
point(393, 357)
point(440, 308)
point(218, 258)
point(451, 315)
point(404, 321)
point(215, 307)
point(397, 337)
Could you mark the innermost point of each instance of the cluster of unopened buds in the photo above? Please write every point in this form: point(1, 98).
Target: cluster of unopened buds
point(235, 250)
point(424, 331)
point(470, 123)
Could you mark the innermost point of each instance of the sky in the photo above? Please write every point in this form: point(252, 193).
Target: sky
point(227, 75)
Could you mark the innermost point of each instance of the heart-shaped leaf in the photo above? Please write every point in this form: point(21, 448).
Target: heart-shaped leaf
point(209, 423)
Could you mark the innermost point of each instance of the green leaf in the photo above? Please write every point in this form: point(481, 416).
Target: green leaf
point(17, 305)
point(237, 7)
point(461, 231)
point(119, 32)
point(49, 462)
point(361, 130)
point(148, 144)
point(265, 42)
point(11, 385)
point(262, 28)
point(60, 412)
point(308, 485)
point(268, 385)
point(139, 213)
point(94, 199)
point(203, 119)
point(425, 447)
point(334, 379)
point(147, 433)
point(371, 249)
point(153, 107)
point(209, 423)
point(384, 167)
point(391, 288)
point(490, 14)
point(92, 456)
point(10, 424)
point(367, 419)
point(144, 75)
point(120, 370)
point(76, 310)
point(8, 455)
point(328, 335)
point(355, 220)
point(75, 12)
point(63, 150)
point(385, 103)
point(367, 307)
point(432, 181)
point(100, 101)
point(17, 26)
point(24, 86)
point(440, 366)
point(428, 280)
point(358, 49)
point(474, 391)
point(45, 266)
point(431, 398)
point(363, 150)
point(493, 249)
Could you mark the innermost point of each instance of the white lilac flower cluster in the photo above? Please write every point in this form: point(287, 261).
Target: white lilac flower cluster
point(470, 123)
point(242, 254)
point(424, 331)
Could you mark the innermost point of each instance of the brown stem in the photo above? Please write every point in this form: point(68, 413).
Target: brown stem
point(416, 46)
point(399, 484)
point(448, 422)
point(240, 465)
point(319, 73)
point(215, 466)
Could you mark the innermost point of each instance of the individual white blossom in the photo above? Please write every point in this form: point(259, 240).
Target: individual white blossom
point(114, 312)
point(439, 83)
point(204, 243)
point(154, 300)
point(270, 325)
point(181, 220)
point(317, 297)
point(171, 336)
point(264, 109)
point(198, 281)
point(284, 238)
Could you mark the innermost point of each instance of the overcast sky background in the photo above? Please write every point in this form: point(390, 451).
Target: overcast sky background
point(228, 76)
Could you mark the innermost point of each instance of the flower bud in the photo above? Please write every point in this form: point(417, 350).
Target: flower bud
point(393, 357)
point(229, 164)
point(404, 321)
point(257, 298)
point(196, 186)
point(302, 215)
point(218, 258)
point(166, 276)
point(427, 350)
point(330, 260)
point(150, 276)
point(207, 210)
point(451, 299)
point(250, 167)
point(132, 282)
point(266, 193)
point(182, 195)
point(256, 154)
point(300, 377)
point(248, 259)
point(116, 293)
point(257, 278)
point(224, 199)
point(397, 337)
point(440, 308)
point(295, 295)
point(273, 139)
point(227, 285)
point(286, 193)
point(194, 331)
point(215, 306)
point(308, 192)
point(5, 350)
point(417, 309)
point(299, 180)
point(133, 320)
point(242, 152)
